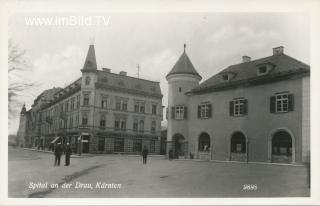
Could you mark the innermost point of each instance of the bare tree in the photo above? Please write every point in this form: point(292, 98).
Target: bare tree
point(18, 65)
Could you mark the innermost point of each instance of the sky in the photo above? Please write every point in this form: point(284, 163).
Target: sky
point(56, 53)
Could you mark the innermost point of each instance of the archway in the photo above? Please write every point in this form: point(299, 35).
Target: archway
point(282, 149)
point(204, 142)
point(178, 145)
point(238, 147)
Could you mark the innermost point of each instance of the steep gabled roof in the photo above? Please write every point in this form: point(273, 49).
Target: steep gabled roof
point(247, 71)
point(90, 63)
point(183, 66)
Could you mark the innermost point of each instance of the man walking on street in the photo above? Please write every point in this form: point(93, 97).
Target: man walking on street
point(68, 154)
point(57, 154)
point(145, 154)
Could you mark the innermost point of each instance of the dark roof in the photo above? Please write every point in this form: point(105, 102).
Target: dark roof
point(90, 63)
point(245, 72)
point(183, 66)
point(129, 84)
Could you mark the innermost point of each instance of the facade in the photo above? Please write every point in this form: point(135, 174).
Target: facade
point(255, 111)
point(100, 112)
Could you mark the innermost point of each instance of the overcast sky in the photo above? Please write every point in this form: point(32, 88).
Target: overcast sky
point(155, 41)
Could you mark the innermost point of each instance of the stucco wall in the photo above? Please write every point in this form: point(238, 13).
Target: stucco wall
point(257, 126)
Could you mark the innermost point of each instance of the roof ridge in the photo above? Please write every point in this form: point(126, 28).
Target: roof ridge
point(128, 76)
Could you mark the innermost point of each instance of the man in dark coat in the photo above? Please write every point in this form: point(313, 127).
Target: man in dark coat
point(57, 154)
point(68, 154)
point(145, 154)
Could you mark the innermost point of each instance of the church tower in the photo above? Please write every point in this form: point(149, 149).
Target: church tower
point(182, 78)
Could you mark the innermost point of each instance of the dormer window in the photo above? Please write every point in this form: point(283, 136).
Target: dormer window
point(87, 80)
point(225, 77)
point(262, 70)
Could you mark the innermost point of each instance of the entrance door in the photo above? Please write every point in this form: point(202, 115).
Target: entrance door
point(85, 143)
point(238, 147)
point(282, 147)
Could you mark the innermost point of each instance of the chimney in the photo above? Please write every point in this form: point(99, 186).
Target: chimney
point(106, 70)
point(246, 59)
point(123, 73)
point(278, 50)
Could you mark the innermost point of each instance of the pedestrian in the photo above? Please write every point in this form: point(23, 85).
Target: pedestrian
point(57, 154)
point(145, 154)
point(68, 154)
point(170, 154)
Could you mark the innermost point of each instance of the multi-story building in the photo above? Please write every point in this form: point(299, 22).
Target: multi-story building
point(101, 112)
point(255, 111)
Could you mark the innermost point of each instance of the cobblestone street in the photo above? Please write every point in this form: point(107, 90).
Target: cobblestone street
point(126, 176)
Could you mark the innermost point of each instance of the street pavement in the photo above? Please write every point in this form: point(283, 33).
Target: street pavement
point(126, 176)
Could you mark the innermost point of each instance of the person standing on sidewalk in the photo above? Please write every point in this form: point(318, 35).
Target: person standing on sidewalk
point(57, 154)
point(145, 154)
point(68, 154)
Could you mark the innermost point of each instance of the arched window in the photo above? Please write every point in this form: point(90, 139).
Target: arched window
point(238, 143)
point(204, 142)
point(87, 80)
point(282, 144)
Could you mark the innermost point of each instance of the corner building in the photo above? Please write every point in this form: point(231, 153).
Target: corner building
point(256, 111)
point(101, 112)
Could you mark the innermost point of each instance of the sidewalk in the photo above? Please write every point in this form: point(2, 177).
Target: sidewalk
point(83, 155)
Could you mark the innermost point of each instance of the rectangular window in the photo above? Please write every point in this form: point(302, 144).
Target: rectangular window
point(117, 124)
point(120, 124)
point(78, 101)
point(103, 121)
point(154, 109)
point(121, 105)
point(239, 107)
point(179, 112)
point(153, 126)
point(86, 99)
point(141, 126)
point(103, 103)
point(136, 108)
point(281, 103)
point(66, 106)
point(135, 125)
point(72, 104)
point(84, 119)
point(142, 108)
point(204, 110)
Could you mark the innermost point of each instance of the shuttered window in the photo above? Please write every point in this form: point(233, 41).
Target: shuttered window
point(238, 107)
point(281, 103)
point(204, 110)
point(179, 112)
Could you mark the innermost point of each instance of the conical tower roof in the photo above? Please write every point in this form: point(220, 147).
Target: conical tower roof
point(90, 63)
point(184, 66)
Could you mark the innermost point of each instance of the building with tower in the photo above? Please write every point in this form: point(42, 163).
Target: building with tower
point(256, 111)
point(100, 112)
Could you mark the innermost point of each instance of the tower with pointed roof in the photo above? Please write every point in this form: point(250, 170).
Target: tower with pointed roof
point(182, 78)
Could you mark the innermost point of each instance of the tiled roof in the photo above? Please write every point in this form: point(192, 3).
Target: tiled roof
point(90, 63)
point(129, 84)
point(183, 66)
point(248, 71)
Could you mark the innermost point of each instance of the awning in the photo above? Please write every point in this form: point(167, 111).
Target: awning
point(55, 139)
